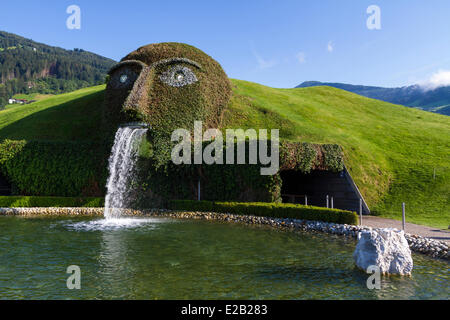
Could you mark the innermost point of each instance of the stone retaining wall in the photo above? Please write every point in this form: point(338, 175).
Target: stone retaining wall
point(51, 211)
point(433, 248)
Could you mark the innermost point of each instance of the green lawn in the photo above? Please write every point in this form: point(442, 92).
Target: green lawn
point(71, 116)
point(32, 96)
point(391, 151)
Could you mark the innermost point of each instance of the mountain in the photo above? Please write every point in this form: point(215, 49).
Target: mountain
point(437, 100)
point(395, 154)
point(28, 67)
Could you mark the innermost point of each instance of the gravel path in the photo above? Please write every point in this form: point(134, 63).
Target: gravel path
point(428, 232)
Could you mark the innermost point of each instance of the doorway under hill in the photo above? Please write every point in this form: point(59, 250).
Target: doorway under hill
point(314, 187)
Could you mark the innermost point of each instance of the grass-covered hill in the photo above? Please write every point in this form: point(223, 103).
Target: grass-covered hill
point(391, 151)
point(73, 116)
point(416, 96)
point(28, 67)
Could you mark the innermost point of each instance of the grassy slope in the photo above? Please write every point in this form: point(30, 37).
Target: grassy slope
point(32, 96)
point(70, 116)
point(390, 150)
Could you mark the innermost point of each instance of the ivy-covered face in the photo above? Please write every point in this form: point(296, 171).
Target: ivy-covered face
point(168, 86)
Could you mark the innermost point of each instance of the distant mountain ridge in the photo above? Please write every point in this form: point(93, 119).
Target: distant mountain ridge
point(433, 100)
point(28, 67)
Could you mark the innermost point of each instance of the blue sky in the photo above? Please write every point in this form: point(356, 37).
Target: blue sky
point(277, 43)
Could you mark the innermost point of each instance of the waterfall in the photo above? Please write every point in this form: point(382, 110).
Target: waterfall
point(121, 169)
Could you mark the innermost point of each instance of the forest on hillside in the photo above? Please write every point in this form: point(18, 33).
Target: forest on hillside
point(28, 67)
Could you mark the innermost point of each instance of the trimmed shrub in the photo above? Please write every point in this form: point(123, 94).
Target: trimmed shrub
point(305, 157)
point(74, 169)
point(239, 183)
point(59, 202)
point(274, 210)
point(67, 169)
point(192, 205)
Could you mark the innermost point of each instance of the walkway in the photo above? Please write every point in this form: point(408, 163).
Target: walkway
point(429, 232)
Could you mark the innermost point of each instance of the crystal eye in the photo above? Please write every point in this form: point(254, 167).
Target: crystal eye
point(178, 76)
point(123, 78)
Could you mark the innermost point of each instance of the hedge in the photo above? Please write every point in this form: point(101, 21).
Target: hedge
point(28, 202)
point(239, 183)
point(63, 169)
point(275, 210)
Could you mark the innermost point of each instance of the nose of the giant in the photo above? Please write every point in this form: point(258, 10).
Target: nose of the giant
point(136, 102)
point(128, 88)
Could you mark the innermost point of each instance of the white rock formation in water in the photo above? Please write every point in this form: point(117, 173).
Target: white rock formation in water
point(385, 248)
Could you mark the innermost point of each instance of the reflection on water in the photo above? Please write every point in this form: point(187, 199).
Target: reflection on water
point(175, 259)
point(113, 264)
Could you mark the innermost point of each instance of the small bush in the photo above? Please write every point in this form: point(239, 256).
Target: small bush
point(28, 202)
point(192, 205)
point(266, 209)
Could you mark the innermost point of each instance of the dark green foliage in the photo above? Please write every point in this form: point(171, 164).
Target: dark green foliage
point(204, 206)
point(305, 157)
point(332, 157)
point(9, 149)
point(54, 168)
point(273, 210)
point(56, 202)
point(242, 182)
point(27, 67)
point(218, 182)
point(298, 156)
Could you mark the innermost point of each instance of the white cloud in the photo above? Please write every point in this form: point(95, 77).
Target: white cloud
point(330, 46)
point(301, 57)
point(262, 63)
point(438, 79)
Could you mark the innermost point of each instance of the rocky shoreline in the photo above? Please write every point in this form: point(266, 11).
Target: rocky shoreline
point(430, 247)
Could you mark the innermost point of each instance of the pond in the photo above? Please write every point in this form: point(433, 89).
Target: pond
point(150, 258)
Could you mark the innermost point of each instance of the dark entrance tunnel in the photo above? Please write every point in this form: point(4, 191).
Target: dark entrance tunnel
point(5, 187)
point(316, 185)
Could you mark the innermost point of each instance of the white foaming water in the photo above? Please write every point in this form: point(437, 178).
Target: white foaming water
point(121, 170)
point(114, 224)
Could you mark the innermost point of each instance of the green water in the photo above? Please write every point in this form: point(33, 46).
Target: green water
point(182, 259)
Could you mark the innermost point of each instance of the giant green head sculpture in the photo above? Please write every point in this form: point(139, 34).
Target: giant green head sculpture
point(168, 86)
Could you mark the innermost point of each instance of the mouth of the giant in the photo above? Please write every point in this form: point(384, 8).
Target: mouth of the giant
point(135, 124)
